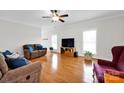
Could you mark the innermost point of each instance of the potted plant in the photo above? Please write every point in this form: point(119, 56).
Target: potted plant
point(51, 49)
point(88, 55)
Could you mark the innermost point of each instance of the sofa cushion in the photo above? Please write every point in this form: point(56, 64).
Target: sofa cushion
point(3, 65)
point(34, 54)
point(41, 52)
point(15, 63)
point(120, 64)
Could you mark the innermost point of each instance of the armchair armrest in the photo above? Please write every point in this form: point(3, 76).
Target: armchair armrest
point(28, 73)
point(27, 53)
point(105, 62)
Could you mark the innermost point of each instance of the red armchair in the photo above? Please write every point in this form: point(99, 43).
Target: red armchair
point(117, 64)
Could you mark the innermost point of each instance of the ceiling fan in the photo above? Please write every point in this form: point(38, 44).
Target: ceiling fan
point(55, 16)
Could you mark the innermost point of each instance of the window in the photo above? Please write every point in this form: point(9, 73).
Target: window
point(89, 41)
point(54, 42)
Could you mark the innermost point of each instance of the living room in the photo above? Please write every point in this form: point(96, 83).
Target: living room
point(49, 51)
point(96, 33)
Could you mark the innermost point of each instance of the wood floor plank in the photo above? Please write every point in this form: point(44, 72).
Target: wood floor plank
point(57, 68)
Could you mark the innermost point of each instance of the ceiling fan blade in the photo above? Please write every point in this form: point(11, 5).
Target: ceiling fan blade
point(46, 16)
point(52, 11)
point(65, 15)
point(61, 20)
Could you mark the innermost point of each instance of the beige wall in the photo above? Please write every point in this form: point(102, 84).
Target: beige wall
point(110, 32)
point(14, 35)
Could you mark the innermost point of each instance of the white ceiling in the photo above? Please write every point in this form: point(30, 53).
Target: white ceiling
point(34, 17)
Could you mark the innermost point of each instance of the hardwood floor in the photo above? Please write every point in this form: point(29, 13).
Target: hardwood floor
point(57, 68)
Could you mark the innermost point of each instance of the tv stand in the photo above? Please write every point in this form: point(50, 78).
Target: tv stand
point(68, 51)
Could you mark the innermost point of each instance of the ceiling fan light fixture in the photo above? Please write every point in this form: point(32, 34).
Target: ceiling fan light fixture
point(55, 18)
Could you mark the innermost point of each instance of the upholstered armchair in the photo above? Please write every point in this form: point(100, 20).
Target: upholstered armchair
point(114, 68)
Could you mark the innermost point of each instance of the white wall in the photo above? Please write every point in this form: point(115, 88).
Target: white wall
point(110, 32)
point(14, 35)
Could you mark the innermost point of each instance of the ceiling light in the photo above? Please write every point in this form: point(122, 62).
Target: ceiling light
point(55, 18)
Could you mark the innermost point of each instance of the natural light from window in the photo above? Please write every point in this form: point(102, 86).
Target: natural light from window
point(54, 62)
point(54, 42)
point(89, 41)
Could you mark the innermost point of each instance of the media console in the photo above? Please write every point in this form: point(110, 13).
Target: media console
point(68, 51)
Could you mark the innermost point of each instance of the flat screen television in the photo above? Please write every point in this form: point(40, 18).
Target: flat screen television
point(68, 42)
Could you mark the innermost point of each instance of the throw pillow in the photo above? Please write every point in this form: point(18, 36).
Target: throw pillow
point(7, 52)
point(30, 49)
point(13, 56)
point(3, 65)
point(15, 63)
point(39, 47)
